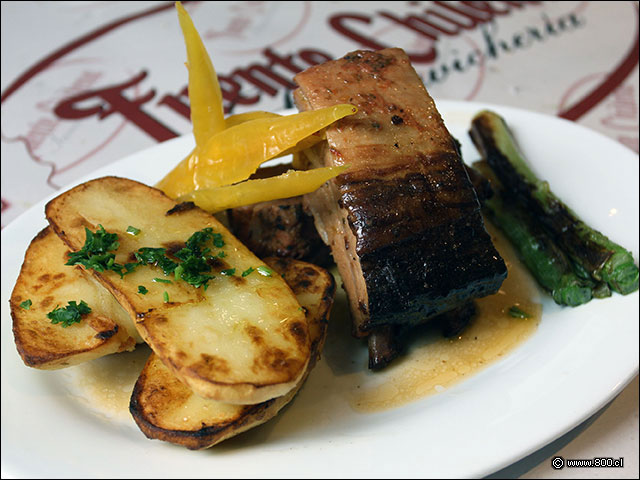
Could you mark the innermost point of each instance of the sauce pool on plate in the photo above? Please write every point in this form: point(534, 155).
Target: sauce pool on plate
point(434, 363)
point(431, 364)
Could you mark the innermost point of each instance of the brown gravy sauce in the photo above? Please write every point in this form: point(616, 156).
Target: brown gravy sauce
point(434, 363)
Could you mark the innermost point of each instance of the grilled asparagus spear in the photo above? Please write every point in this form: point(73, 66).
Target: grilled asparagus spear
point(544, 259)
point(592, 253)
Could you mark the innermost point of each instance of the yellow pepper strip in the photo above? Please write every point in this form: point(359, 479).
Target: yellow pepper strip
point(235, 153)
point(239, 118)
point(305, 143)
point(289, 184)
point(205, 96)
point(180, 176)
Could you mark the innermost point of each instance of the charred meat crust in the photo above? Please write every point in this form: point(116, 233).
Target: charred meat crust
point(420, 244)
point(281, 228)
point(278, 228)
point(453, 322)
point(408, 284)
point(382, 212)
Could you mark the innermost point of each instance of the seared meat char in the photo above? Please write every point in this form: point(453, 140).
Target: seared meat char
point(279, 228)
point(403, 222)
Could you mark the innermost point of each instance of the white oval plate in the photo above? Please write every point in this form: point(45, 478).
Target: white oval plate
point(573, 365)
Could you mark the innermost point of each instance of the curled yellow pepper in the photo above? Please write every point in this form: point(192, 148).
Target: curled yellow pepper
point(205, 98)
point(232, 155)
point(307, 142)
point(239, 118)
point(289, 184)
point(230, 150)
point(205, 95)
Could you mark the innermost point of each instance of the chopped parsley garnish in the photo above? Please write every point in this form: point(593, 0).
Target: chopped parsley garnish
point(96, 253)
point(191, 270)
point(516, 312)
point(195, 258)
point(165, 295)
point(218, 242)
point(263, 270)
point(142, 289)
point(156, 256)
point(201, 237)
point(70, 314)
point(228, 272)
point(26, 304)
point(191, 263)
point(247, 271)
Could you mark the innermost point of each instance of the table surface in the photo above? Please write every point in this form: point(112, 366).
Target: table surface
point(86, 83)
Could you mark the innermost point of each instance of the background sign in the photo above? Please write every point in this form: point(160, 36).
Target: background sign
point(86, 83)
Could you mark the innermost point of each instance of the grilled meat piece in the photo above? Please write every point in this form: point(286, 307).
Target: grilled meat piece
point(404, 222)
point(282, 228)
point(453, 322)
point(387, 342)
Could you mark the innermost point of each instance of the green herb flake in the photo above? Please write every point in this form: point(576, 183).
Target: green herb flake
point(195, 258)
point(247, 271)
point(142, 289)
point(264, 271)
point(229, 272)
point(69, 315)
point(218, 241)
point(192, 263)
point(133, 230)
point(165, 295)
point(156, 256)
point(516, 312)
point(221, 254)
point(96, 254)
point(26, 304)
point(161, 280)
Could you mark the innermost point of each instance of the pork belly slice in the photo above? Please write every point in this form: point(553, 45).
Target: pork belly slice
point(404, 222)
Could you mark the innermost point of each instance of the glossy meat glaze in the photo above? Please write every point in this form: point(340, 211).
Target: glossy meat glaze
point(404, 222)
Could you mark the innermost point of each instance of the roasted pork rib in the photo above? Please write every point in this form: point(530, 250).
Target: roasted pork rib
point(404, 222)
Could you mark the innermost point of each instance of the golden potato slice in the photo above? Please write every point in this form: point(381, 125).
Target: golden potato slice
point(165, 409)
point(243, 339)
point(47, 282)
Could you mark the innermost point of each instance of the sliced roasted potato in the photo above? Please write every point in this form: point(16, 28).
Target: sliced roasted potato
point(164, 408)
point(243, 339)
point(47, 282)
